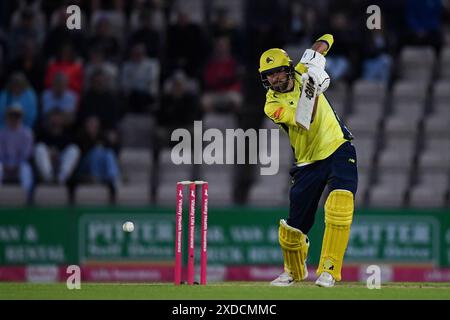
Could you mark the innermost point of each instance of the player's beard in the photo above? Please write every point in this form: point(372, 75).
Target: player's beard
point(281, 86)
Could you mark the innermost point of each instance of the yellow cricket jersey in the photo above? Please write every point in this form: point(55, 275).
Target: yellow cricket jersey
point(326, 132)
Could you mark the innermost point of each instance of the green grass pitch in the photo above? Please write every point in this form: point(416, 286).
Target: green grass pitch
point(224, 291)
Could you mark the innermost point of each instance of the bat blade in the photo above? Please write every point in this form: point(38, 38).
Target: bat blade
point(305, 107)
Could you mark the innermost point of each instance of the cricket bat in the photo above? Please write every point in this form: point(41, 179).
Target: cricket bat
point(305, 106)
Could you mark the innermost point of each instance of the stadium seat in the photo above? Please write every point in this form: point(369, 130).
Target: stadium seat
point(365, 150)
point(442, 108)
point(12, 196)
point(361, 125)
point(135, 164)
point(133, 195)
point(416, 63)
point(397, 155)
point(405, 119)
point(219, 121)
point(365, 91)
point(92, 195)
point(435, 155)
point(51, 195)
point(337, 96)
point(363, 186)
point(136, 131)
point(441, 92)
point(270, 191)
point(444, 63)
point(437, 125)
point(389, 190)
point(405, 91)
point(430, 191)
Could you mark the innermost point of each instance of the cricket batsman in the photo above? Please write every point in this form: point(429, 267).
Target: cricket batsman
point(324, 155)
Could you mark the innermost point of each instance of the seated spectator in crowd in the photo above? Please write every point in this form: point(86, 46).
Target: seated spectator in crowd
point(3, 58)
point(221, 80)
point(339, 58)
point(179, 108)
point(113, 12)
point(153, 10)
point(424, 22)
point(30, 63)
point(33, 6)
point(23, 30)
point(18, 92)
point(105, 40)
point(224, 26)
point(16, 144)
point(146, 35)
point(185, 46)
point(102, 103)
point(97, 61)
point(56, 154)
point(98, 160)
point(377, 60)
point(67, 63)
point(60, 97)
point(140, 80)
point(58, 33)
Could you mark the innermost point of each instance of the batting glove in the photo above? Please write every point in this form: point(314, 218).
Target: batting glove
point(313, 58)
point(320, 78)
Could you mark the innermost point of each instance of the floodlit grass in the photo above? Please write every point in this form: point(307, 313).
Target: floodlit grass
point(224, 291)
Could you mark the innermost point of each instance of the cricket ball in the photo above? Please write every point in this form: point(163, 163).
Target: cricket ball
point(128, 226)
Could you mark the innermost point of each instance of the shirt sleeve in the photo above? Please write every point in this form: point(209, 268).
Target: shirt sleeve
point(280, 114)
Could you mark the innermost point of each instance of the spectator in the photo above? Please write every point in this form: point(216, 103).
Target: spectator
point(424, 21)
point(55, 154)
point(104, 40)
point(24, 30)
point(100, 102)
point(140, 80)
point(67, 63)
point(59, 35)
point(179, 107)
point(3, 57)
point(221, 80)
point(155, 12)
point(113, 12)
point(97, 61)
point(339, 59)
point(223, 26)
point(98, 160)
point(60, 97)
point(16, 143)
point(185, 46)
point(146, 35)
point(377, 60)
point(39, 20)
point(30, 63)
point(19, 93)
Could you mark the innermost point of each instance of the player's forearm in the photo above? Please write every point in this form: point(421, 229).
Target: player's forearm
point(323, 44)
point(320, 46)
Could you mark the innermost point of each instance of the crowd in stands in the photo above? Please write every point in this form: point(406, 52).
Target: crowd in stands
point(64, 93)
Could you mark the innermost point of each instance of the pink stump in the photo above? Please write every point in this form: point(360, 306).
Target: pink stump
point(204, 248)
point(178, 234)
point(191, 234)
